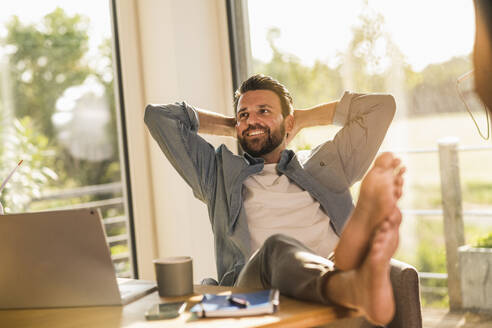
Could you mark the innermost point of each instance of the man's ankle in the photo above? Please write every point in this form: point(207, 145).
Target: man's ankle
point(341, 289)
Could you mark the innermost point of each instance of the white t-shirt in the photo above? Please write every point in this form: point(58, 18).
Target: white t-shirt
point(275, 204)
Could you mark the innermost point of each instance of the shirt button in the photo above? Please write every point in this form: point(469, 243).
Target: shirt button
point(321, 163)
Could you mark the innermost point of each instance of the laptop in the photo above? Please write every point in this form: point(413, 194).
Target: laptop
point(60, 259)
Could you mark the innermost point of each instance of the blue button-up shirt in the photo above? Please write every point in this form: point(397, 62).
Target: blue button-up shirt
point(217, 175)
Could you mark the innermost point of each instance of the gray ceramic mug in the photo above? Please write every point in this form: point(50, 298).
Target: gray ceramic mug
point(174, 276)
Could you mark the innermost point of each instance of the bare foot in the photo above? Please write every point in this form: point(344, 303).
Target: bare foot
point(368, 288)
point(379, 193)
point(381, 189)
point(374, 294)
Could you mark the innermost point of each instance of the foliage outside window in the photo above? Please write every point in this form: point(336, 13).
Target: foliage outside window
point(58, 115)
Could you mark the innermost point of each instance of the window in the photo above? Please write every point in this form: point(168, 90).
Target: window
point(58, 114)
point(414, 50)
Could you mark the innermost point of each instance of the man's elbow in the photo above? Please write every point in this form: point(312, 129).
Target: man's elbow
point(150, 113)
point(158, 114)
point(388, 103)
point(168, 115)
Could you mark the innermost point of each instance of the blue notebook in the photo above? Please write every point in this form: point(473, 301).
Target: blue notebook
point(261, 302)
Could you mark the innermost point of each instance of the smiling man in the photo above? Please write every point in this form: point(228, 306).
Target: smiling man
point(277, 216)
point(260, 131)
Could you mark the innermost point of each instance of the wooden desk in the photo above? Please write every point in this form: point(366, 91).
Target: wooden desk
point(291, 313)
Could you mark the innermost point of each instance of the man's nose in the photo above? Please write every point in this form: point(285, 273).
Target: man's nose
point(252, 119)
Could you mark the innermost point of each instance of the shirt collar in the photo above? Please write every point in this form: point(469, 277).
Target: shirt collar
point(285, 158)
point(253, 160)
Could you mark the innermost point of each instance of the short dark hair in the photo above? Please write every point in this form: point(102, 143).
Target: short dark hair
point(263, 82)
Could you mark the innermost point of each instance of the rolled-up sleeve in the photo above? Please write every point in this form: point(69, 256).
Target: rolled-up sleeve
point(175, 128)
point(365, 119)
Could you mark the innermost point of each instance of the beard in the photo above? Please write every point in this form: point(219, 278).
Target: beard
point(258, 146)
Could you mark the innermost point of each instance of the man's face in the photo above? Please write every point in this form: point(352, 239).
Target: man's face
point(260, 125)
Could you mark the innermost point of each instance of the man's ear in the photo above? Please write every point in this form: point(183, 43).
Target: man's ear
point(289, 123)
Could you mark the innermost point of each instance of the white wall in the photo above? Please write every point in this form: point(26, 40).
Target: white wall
point(171, 51)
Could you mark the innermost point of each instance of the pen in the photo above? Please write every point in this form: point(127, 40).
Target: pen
point(10, 175)
point(239, 302)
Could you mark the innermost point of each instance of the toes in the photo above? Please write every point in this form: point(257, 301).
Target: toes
point(384, 160)
point(402, 170)
point(396, 162)
point(381, 232)
point(395, 217)
point(398, 191)
point(399, 180)
point(385, 226)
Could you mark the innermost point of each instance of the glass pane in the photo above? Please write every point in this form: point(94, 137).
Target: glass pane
point(320, 48)
point(58, 115)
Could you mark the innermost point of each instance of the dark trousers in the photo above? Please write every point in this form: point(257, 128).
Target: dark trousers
point(287, 265)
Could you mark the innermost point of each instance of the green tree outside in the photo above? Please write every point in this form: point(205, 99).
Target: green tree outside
point(46, 59)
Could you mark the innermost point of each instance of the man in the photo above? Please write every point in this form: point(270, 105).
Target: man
point(276, 217)
point(482, 53)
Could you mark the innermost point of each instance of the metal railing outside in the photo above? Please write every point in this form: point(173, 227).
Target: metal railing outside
point(451, 150)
